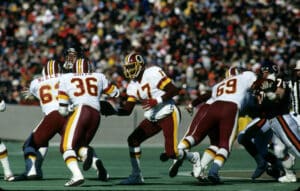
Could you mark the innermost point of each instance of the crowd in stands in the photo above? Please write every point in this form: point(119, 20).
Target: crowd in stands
point(193, 40)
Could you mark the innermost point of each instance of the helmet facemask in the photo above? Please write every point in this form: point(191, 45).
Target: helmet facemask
point(133, 65)
point(70, 59)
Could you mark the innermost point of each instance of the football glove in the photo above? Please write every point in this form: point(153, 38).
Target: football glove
point(149, 103)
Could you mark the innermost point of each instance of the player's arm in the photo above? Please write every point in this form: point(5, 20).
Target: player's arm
point(170, 91)
point(127, 108)
point(112, 91)
point(200, 99)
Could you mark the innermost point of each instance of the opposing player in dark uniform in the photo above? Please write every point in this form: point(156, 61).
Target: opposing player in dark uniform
point(275, 100)
point(257, 135)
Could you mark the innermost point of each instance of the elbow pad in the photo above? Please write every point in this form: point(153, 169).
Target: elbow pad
point(2, 106)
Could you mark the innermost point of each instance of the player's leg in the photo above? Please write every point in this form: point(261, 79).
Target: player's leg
point(144, 130)
point(71, 138)
point(288, 138)
point(8, 174)
point(246, 138)
point(227, 113)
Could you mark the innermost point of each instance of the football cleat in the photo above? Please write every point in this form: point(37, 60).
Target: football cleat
point(214, 179)
point(133, 179)
point(175, 167)
point(196, 166)
point(213, 175)
point(74, 182)
point(101, 171)
point(287, 178)
point(260, 169)
point(273, 171)
point(163, 157)
point(9, 178)
point(87, 163)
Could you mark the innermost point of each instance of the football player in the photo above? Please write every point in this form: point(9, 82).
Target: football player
point(83, 90)
point(8, 175)
point(155, 90)
point(71, 56)
point(45, 89)
point(202, 103)
point(276, 102)
point(228, 96)
point(257, 135)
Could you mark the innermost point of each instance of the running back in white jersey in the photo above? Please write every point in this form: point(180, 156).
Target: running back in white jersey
point(234, 88)
point(85, 88)
point(46, 90)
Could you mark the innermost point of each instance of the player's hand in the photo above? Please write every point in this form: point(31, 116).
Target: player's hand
point(149, 103)
point(190, 109)
point(27, 95)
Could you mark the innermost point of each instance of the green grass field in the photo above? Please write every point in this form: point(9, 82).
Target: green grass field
point(235, 174)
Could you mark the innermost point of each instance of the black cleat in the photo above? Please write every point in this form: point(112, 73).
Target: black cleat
point(215, 180)
point(102, 173)
point(89, 159)
point(260, 169)
point(174, 168)
point(163, 157)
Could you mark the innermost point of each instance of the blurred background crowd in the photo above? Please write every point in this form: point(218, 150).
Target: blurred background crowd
point(193, 40)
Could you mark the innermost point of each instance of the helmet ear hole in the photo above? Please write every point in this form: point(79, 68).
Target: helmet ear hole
point(133, 65)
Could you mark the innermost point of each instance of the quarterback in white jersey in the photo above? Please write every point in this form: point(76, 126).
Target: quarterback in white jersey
point(155, 90)
point(83, 90)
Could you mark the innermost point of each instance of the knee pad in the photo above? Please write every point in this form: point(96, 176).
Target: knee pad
point(279, 150)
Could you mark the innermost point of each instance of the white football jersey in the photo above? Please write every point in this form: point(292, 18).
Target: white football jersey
point(84, 89)
point(150, 86)
point(46, 90)
point(153, 80)
point(234, 88)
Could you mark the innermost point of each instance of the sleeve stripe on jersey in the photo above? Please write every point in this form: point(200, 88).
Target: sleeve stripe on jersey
point(62, 95)
point(131, 99)
point(163, 83)
point(109, 89)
